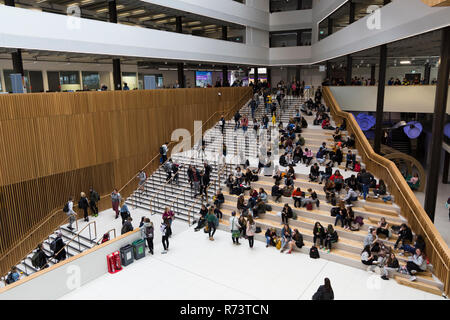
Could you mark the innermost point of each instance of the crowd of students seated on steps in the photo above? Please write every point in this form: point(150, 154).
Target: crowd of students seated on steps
point(381, 258)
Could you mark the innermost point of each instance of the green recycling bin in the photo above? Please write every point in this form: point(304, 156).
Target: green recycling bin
point(139, 249)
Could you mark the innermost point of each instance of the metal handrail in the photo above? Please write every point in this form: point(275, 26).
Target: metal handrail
point(77, 235)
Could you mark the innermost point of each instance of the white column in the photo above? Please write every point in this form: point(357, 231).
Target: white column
point(45, 80)
point(81, 80)
point(2, 76)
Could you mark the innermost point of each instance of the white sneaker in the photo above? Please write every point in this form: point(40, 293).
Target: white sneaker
point(413, 278)
point(413, 271)
point(164, 252)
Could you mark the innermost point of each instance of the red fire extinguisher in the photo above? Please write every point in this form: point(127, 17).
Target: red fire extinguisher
point(114, 263)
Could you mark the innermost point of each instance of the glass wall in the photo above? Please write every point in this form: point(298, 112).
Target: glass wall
point(289, 5)
point(91, 80)
point(290, 38)
point(70, 80)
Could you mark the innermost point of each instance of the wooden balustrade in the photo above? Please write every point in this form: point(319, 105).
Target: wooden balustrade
point(437, 3)
point(437, 250)
point(55, 145)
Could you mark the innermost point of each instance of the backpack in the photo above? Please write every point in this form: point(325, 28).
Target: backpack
point(309, 206)
point(66, 207)
point(334, 211)
point(258, 230)
point(9, 279)
point(35, 259)
point(278, 246)
point(53, 245)
point(268, 207)
point(314, 253)
point(161, 150)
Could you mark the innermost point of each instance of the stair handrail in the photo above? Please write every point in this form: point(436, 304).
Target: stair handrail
point(58, 210)
point(77, 235)
point(402, 193)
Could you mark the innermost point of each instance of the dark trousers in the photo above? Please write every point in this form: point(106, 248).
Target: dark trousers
point(412, 266)
point(320, 240)
point(93, 207)
point(383, 231)
point(403, 240)
point(150, 244)
point(284, 218)
point(339, 217)
point(251, 241)
point(212, 229)
point(297, 202)
point(165, 242)
point(328, 243)
point(235, 240)
point(86, 215)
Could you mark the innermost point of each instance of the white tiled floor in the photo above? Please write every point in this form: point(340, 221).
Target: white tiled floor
point(196, 268)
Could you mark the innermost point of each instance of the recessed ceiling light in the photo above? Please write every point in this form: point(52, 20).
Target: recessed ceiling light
point(405, 62)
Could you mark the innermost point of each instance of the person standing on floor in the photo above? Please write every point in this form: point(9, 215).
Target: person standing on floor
point(169, 216)
point(165, 235)
point(147, 233)
point(325, 292)
point(94, 198)
point(213, 222)
point(127, 226)
point(83, 204)
point(251, 228)
point(70, 213)
point(115, 198)
point(234, 226)
point(124, 212)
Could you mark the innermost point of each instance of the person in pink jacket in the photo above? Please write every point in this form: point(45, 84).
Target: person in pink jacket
point(250, 232)
point(244, 123)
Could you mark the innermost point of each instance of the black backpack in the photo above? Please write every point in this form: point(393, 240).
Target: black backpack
point(53, 245)
point(334, 211)
point(9, 279)
point(66, 207)
point(314, 253)
point(161, 150)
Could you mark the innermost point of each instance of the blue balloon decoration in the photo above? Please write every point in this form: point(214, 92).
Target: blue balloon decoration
point(413, 129)
point(447, 130)
point(365, 121)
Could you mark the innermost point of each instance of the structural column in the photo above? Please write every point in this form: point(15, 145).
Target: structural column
point(372, 75)
point(348, 72)
point(426, 77)
point(255, 74)
point(330, 26)
point(440, 106)
point(117, 73)
point(16, 55)
point(380, 98)
point(328, 71)
point(225, 82)
point(180, 66)
point(351, 16)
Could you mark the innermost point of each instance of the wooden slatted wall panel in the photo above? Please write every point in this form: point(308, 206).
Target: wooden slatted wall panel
point(54, 145)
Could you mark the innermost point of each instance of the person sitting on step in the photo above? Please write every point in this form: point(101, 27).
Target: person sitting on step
point(350, 160)
point(297, 196)
point(380, 190)
point(318, 234)
point(351, 195)
point(314, 173)
point(325, 175)
point(276, 191)
point(331, 236)
point(202, 220)
point(307, 156)
point(312, 198)
point(271, 237)
point(416, 263)
point(286, 213)
point(383, 228)
point(338, 180)
point(404, 235)
point(391, 265)
point(286, 236)
point(341, 213)
point(297, 240)
point(368, 258)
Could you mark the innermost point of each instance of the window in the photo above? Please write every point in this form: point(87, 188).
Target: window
point(69, 77)
point(91, 80)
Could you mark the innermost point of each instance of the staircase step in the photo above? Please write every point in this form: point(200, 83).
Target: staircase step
point(418, 285)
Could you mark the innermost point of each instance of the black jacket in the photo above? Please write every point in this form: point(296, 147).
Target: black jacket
point(323, 294)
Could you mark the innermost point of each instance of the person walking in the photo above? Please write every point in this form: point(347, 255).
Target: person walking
point(251, 228)
point(165, 235)
point(83, 204)
point(234, 226)
point(142, 176)
point(124, 212)
point(127, 226)
point(58, 251)
point(68, 209)
point(94, 198)
point(213, 222)
point(147, 233)
point(169, 215)
point(115, 198)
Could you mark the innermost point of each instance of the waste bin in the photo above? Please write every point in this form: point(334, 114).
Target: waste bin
point(139, 249)
point(126, 255)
